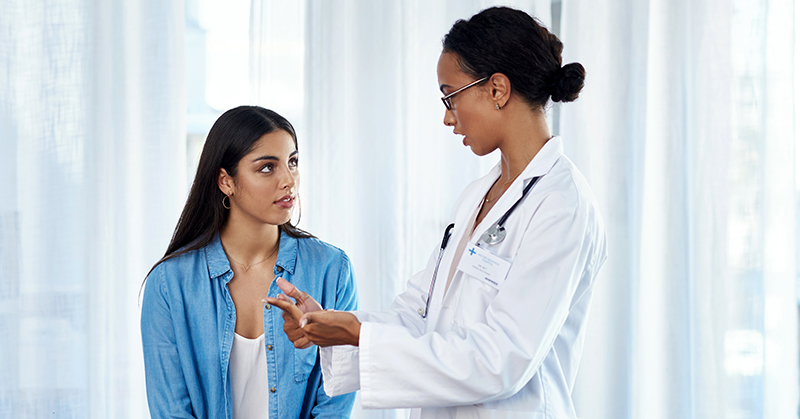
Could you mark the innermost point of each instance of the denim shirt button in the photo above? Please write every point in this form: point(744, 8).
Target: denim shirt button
point(279, 269)
point(269, 347)
point(272, 389)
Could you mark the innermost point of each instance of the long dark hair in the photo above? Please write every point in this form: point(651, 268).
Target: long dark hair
point(510, 41)
point(231, 138)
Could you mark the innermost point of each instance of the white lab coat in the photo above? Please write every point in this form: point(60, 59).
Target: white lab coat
point(484, 352)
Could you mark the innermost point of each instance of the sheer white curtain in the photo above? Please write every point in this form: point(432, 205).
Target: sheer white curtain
point(92, 148)
point(686, 132)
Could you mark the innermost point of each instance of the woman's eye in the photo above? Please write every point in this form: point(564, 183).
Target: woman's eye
point(267, 168)
point(293, 162)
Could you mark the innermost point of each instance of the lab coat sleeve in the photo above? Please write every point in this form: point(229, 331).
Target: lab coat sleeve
point(490, 360)
point(339, 364)
point(341, 405)
point(167, 393)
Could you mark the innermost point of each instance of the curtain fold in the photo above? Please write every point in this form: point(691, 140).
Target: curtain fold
point(92, 106)
point(780, 322)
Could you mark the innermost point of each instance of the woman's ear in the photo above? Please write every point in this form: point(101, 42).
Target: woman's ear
point(225, 182)
point(500, 88)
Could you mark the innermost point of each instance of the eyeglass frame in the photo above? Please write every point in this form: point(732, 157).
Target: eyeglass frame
point(446, 99)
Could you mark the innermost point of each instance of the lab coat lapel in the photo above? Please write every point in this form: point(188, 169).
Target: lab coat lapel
point(541, 163)
point(466, 208)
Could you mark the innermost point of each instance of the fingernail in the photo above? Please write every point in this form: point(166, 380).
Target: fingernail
point(303, 323)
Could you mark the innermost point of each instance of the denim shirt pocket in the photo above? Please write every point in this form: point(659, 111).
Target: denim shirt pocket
point(304, 360)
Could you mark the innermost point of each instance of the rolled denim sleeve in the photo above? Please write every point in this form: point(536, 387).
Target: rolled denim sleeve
point(167, 394)
point(346, 300)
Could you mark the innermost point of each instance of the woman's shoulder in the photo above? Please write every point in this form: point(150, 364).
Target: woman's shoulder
point(320, 249)
point(184, 258)
point(174, 268)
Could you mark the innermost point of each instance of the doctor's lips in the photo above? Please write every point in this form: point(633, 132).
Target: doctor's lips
point(286, 202)
point(463, 137)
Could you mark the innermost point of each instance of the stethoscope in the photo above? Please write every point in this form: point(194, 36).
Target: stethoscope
point(494, 235)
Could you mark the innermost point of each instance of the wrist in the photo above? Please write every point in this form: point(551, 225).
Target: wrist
point(355, 333)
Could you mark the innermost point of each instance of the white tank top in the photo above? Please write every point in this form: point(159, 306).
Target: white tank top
point(249, 384)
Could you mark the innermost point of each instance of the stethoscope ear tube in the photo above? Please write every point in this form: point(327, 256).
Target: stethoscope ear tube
point(447, 232)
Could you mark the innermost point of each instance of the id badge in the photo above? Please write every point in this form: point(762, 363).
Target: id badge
point(484, 265)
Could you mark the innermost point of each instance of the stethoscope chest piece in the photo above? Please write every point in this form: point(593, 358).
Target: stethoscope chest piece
point(495, 234)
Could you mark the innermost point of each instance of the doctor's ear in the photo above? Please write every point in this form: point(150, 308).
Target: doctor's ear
point(500, 87)
point(225, 182)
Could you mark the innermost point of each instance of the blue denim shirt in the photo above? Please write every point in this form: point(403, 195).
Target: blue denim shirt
point(188, 321)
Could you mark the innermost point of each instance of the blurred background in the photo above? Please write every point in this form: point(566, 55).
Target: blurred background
point(686, 131)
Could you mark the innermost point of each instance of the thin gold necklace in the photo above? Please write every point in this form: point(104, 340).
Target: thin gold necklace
point(247, 267)
point(502, 188)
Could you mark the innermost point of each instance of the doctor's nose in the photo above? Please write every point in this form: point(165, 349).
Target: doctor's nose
point(449, 118)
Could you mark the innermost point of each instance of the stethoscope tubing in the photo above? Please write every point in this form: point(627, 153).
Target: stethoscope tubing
point(510, 211)
point(445, 239)
point(496, 227)
point(497, 233)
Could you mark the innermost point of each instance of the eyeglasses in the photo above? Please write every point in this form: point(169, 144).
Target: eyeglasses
point(447, 99)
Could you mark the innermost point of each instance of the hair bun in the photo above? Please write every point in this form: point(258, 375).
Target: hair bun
point(567, 83)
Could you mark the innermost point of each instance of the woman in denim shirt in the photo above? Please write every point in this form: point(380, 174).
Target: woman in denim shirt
point(212, 348)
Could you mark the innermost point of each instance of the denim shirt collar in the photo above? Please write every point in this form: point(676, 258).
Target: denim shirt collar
point(287, 253)
point(218, 264)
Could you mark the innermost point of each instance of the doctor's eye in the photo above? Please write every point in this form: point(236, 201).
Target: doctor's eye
point(267, 168)
point(293, 162)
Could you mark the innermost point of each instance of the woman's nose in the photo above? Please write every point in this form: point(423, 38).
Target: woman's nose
point(289, 179)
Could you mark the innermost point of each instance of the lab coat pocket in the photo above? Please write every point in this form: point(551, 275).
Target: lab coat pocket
point(474, 298)
point(304, 360)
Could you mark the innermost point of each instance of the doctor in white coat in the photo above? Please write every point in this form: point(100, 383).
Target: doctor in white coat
point(494, 326)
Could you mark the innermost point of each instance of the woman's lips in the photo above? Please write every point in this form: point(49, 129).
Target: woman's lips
point(286, 202)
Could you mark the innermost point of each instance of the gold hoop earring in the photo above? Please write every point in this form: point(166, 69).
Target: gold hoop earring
point(229, 202)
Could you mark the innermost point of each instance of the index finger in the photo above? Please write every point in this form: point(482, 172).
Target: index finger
point(287, 307)
point(290, 290)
